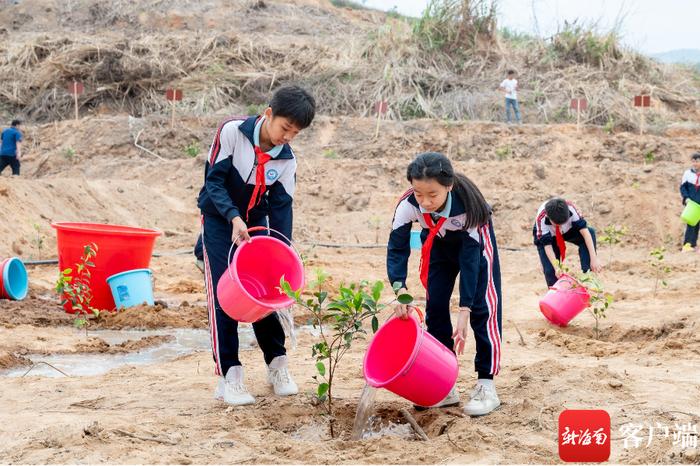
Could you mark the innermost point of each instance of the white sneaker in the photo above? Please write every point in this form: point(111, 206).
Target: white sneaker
point(452, 399)
point(235, 392)
point(278, 376)
point(483, 400)
point(220, 389)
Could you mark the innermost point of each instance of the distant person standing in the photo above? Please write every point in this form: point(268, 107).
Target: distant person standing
point(510, 87)
point(10, 150)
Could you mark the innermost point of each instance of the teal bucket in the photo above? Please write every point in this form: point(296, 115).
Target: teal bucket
point(14, 283)
point(132, 288)
point(415, 240)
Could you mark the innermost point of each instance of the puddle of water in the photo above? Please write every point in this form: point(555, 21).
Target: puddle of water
point(186, 341)
point(365, 407)
point(377, 429)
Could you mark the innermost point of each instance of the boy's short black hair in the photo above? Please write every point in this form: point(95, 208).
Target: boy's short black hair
point(294, 103)
point(695, 156)
point(16, 122)
point(511, 72)
point(557, 210)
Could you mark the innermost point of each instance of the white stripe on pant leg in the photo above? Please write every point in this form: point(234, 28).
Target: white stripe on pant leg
point(492, 303)
point(494, 297)
point(488, 304)
point(211, 307)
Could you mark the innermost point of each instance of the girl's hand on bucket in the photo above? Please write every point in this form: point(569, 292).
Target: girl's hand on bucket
point(460, 333)
point(240, 231)
point(401, 310)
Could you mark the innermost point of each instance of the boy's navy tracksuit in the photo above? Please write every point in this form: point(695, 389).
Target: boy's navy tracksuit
point(690, 189)
point(231, 173)
point(545, 233)
point(472, 254)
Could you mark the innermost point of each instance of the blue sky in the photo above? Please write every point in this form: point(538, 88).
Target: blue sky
point(650, 26)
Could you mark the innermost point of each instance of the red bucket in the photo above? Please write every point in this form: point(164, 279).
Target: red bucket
point(564, 301)
point(119, 248)
point(249, 289)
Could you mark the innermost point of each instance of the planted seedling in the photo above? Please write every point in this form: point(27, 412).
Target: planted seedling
point(74, 286)
point(612, 235)
point(660, 269)
point(38, 240)
point(599, 301)
point(339, 316)
point(376, 222)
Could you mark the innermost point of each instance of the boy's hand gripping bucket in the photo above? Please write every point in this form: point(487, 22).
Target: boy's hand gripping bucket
point(408, 361)
point(249, 290)
point(564, 301)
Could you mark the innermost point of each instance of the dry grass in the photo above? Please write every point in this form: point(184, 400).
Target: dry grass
point(389, 58)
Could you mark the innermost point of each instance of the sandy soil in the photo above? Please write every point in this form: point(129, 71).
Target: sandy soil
point(644, 368)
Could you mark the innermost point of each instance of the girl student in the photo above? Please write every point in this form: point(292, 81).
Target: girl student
point(457, 238)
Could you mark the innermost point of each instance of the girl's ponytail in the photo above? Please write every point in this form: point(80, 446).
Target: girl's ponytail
point(475, 206)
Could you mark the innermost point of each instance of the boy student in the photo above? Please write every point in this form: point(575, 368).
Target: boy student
point(558, 222)
point(690, 189)
point(249, 181)
point(510, 87)
point(11, 148)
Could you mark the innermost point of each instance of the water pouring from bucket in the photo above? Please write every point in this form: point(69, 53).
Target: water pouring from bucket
point(249, 289)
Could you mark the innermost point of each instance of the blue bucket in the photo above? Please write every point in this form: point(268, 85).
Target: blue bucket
point(415, 240)
point(14, 283)
point(132, 288)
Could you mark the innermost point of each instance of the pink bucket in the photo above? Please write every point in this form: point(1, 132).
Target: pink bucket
point(564, 301)
point(249, 289)
point(406, 360)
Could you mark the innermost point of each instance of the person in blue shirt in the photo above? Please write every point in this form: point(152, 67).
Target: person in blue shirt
point(249, 180)
point(458, 239)
point(11, 148)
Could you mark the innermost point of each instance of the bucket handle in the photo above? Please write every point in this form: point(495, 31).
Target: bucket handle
point(572, 290)
point(421, 315)
point(259, 228)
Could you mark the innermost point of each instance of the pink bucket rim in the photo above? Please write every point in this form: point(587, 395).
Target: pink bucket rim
point(573, 289)
point(236, 279)
point(409, 362)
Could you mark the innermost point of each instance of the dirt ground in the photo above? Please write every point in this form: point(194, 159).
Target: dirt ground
point(644, 368)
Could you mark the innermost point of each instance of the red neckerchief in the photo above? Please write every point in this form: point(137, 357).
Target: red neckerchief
point(262, 158)
point(697, 181)
point(433, 228)
point(561, 244)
